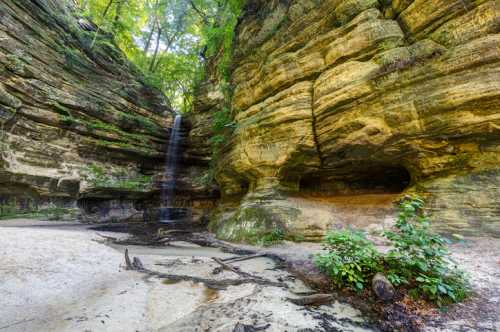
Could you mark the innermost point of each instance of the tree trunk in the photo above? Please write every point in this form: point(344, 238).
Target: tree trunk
point(153, 60)
point(107, 8)
point(118, 14)
point(99, 27)
point(153, 28)
point(150, 37)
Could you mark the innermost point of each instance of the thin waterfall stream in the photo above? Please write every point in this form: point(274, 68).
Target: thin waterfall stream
point(169, 184)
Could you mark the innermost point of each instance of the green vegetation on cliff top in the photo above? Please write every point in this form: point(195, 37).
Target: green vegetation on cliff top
point(170, 41)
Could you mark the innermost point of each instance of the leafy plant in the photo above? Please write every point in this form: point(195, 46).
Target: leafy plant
point(420, 258)
point(351, 259)
point(169, 41)
point(418, 261)
point(11, 210)
point(276, 236)
point(263, 238)
point(97, 177)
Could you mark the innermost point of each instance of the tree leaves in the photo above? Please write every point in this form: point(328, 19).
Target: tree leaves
point(169, 40)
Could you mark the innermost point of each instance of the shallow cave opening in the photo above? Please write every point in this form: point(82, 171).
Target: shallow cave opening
point(373, 180)
point(244, 187)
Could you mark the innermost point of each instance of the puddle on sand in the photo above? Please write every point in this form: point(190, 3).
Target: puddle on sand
point(210, 295)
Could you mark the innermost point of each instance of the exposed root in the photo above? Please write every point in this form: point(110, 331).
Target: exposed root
point(136, 265)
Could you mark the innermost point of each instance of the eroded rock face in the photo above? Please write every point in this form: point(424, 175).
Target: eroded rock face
point(342, 105)
point(67, 102)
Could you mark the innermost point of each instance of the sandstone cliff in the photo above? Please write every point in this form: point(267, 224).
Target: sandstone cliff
point(77, 120)
point(344, 105)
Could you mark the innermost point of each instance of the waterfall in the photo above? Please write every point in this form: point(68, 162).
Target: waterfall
point(169, 184)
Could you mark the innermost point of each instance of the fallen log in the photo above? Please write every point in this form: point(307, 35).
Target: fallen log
point(314, 300)
point(137, 265)
point(228, 267)
point(108, 238)
point(250, 328)
point(128, 263)
point(242, 258)
point(212, 283)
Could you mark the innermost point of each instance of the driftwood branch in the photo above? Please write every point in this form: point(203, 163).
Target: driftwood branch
point(128, 263)
point(136, 265)
point(316, 299)
point(212, 283)
point(242, 258)
point(108, 238)
point(228, 267)
point(250, 328)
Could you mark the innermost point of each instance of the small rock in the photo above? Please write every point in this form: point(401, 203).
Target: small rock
point(382, 287)
point(310, 274)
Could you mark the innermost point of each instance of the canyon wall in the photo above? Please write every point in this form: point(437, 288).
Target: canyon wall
point(78, 122)
point(342, 106)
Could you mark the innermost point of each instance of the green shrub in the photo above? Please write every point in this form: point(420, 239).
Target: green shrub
point(351, 260)
point(419, 259)
point(98, 178)
point(261, 237)
point(276, 236)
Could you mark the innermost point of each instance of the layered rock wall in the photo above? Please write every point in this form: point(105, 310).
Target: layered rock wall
point(342, 106)
point(77, 120)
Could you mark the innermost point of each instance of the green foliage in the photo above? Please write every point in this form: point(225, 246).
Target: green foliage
point(168, 40)
point(222, 127)
point(7, 209)
point(276, 236)
point(10, 210)
point(14, 63)
point(99, 178)
point(222, 120)
point(220, 32)
point(138, 122)
point(351, 259)
point(162, 38)
point(264, 238)
point(419, 259)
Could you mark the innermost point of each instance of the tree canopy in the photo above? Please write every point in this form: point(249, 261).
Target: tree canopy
point(169, 40)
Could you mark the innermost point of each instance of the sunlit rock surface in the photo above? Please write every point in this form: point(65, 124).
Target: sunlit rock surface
point(68, 102)
point(342, 106)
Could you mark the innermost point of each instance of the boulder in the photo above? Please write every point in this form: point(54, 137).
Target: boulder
point(382, 287)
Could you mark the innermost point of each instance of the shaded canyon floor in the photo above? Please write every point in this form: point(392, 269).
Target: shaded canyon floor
point(59, 276)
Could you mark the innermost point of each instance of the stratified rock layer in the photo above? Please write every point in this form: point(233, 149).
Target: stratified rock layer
point(70, 100)
point(343, 105)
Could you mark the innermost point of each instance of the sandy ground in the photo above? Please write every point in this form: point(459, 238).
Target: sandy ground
point(478, 256)
point(56, 277)
point(59, 277)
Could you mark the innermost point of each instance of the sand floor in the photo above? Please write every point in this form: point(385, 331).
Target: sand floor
point(59, 277)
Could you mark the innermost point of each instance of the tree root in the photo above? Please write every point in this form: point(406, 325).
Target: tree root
point(136, 265)
point(212, 283)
